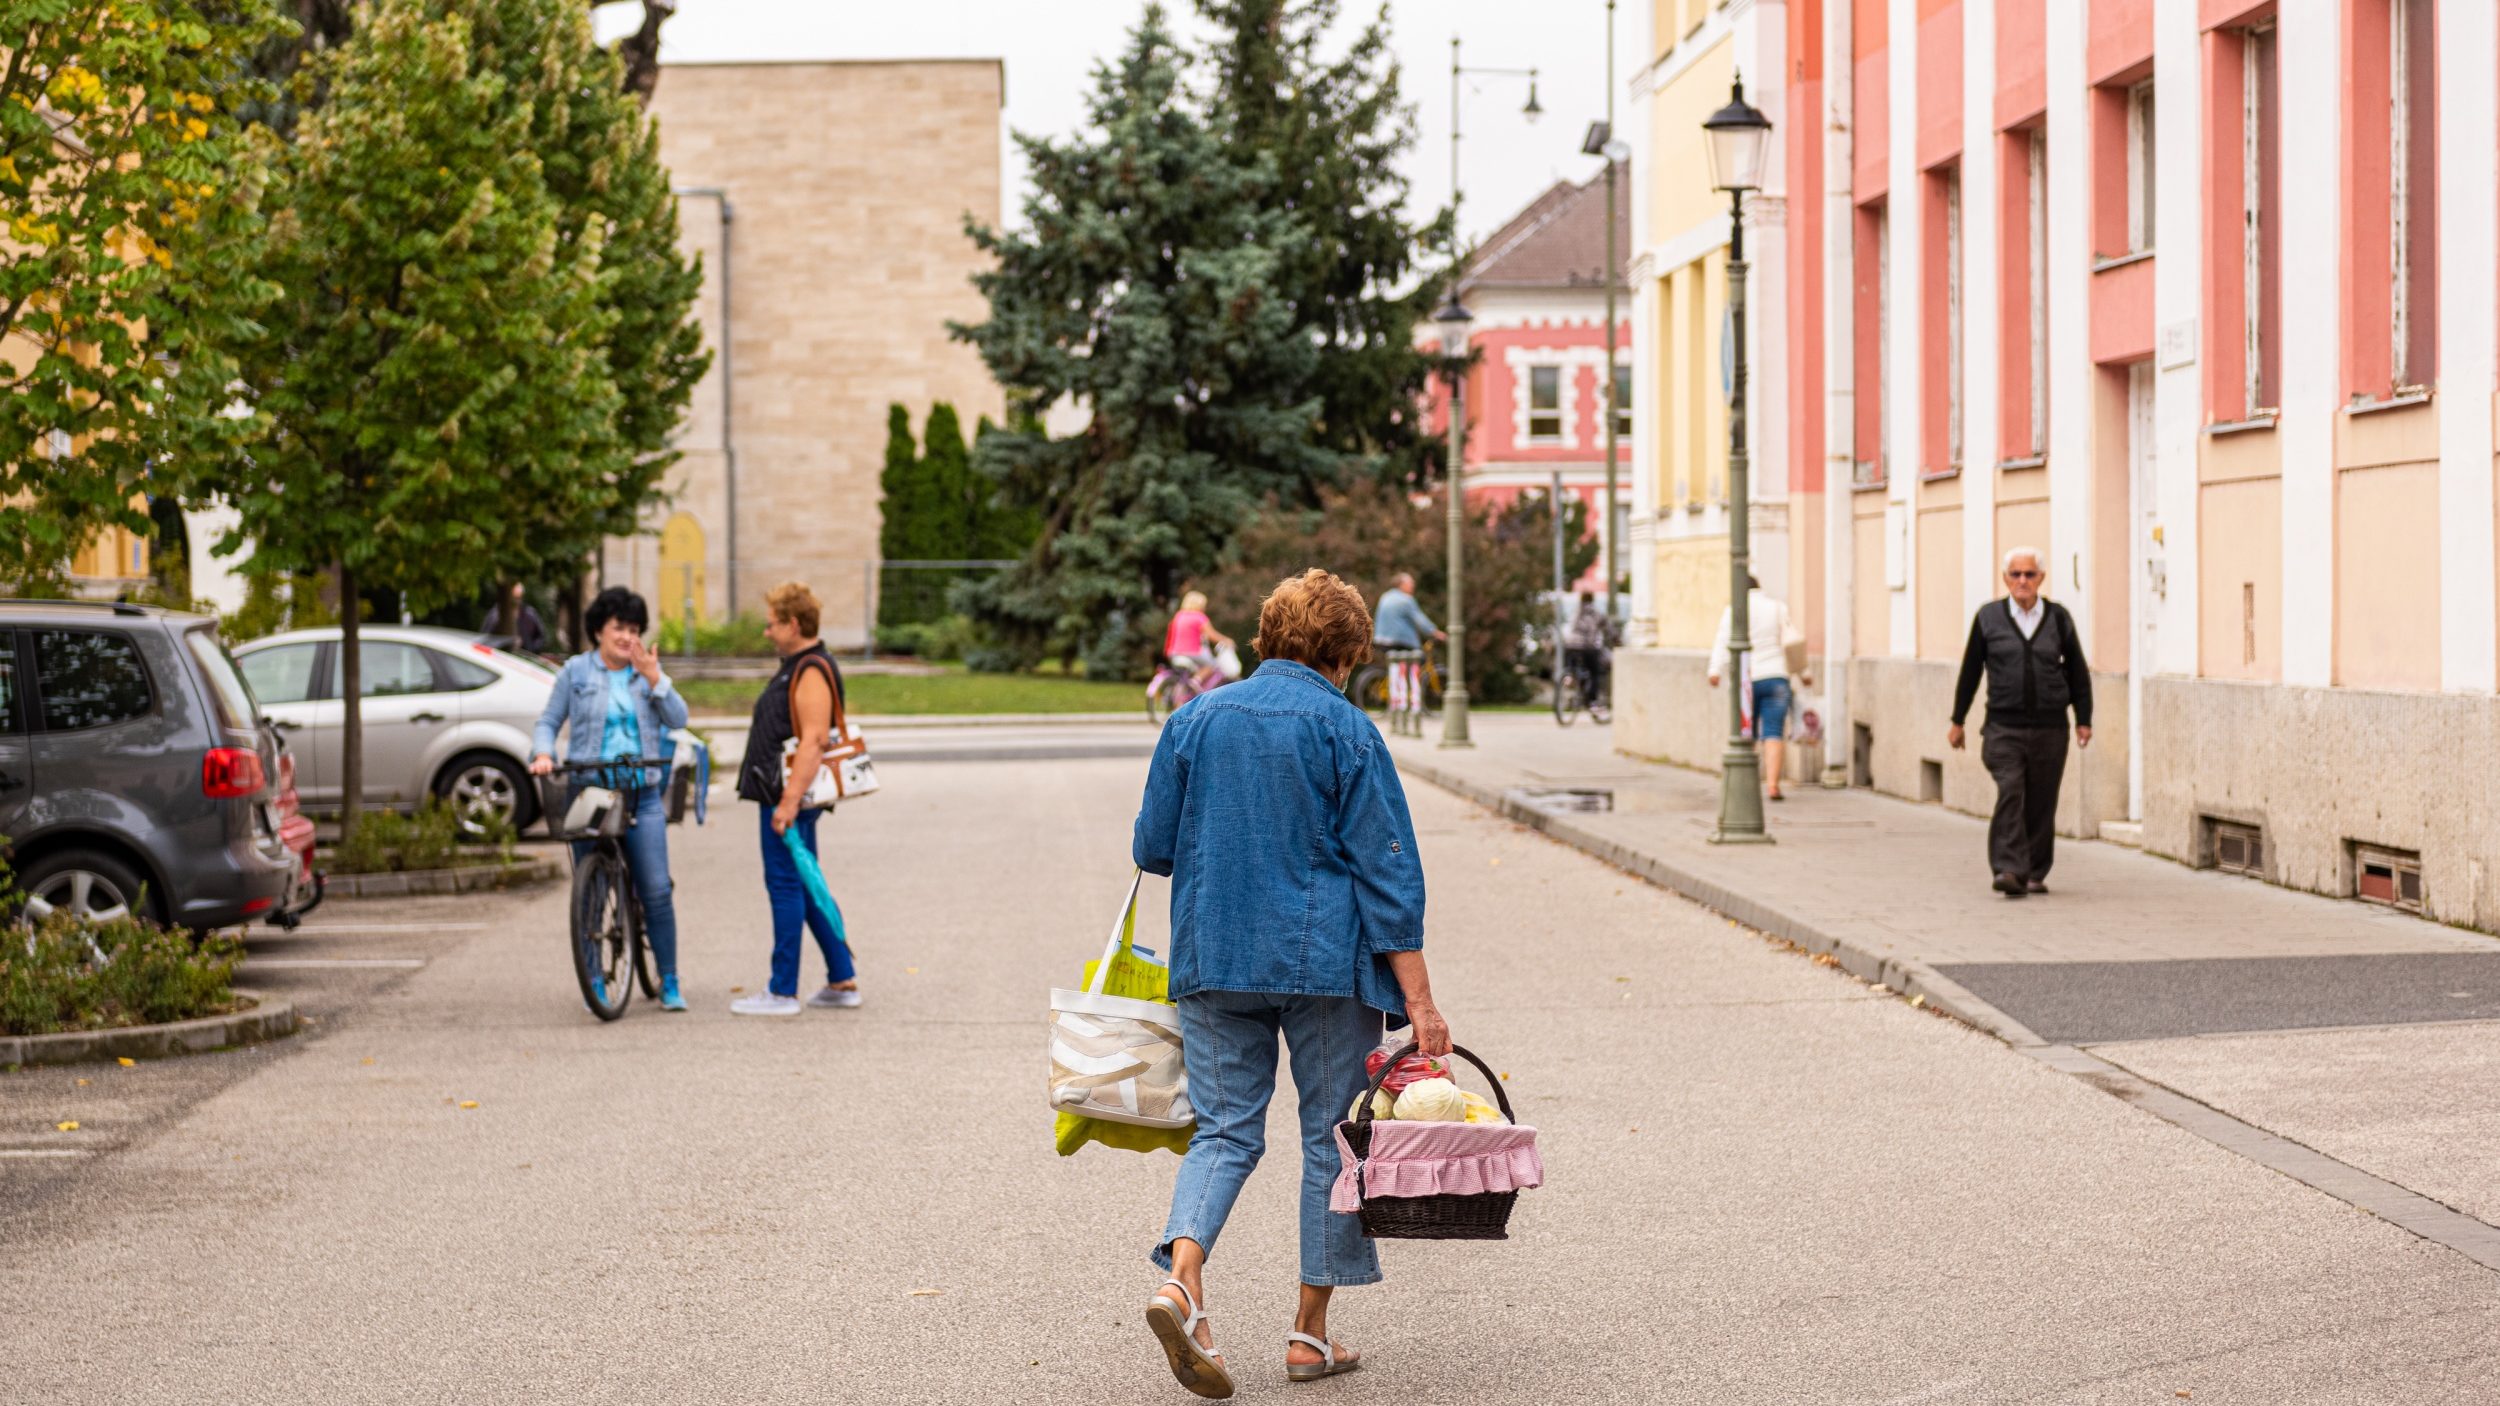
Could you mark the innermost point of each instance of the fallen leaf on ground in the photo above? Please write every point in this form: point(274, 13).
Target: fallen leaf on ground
point(69, 1127)
point(734, 990)
point(1623, 978)
point(911, 971)
point(926, 1293)
point(1882, 990)
point(368, 1059)
point(82, 1083)
point(1916, 1001)
point(1495, 863)
point(468, 1103)
point(125, 1061)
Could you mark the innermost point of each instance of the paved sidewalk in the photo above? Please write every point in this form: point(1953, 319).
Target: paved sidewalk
point(1899, 893)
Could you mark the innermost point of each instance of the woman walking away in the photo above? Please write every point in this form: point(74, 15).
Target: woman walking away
point(618, 706)
point(1297, 910)
point(797, 703)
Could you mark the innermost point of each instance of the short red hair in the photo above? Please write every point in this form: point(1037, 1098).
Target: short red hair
point(1315, 619)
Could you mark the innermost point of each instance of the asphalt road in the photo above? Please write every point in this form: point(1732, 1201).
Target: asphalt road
point(1768, 1182)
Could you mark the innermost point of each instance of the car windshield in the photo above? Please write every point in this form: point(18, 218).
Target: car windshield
point(225, 682)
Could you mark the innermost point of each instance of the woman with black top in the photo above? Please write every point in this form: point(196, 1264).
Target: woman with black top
point(799, 703)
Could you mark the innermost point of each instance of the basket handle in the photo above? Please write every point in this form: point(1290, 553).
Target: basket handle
point(1363, 1110)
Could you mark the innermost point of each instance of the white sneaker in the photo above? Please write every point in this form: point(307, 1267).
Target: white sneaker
point(766, 1004)
point(834, 998)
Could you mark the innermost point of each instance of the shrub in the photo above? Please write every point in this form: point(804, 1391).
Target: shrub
point(68, 973)
point(947, 638)
point(738, 635)
point(386, 841)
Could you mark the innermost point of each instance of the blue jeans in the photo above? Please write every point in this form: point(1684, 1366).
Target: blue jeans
point(646, 851)
point(1228, 1046)
point(791, 908)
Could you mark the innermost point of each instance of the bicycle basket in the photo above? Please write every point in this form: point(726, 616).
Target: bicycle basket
point(578, 812)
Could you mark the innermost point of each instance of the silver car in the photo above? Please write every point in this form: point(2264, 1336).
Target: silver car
point(445, 714)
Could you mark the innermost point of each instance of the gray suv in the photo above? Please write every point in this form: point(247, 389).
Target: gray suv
point(136, 772)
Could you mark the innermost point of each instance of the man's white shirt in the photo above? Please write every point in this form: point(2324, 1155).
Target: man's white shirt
point(2028, 621)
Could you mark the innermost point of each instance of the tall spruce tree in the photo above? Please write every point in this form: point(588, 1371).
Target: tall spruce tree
point(1149, 288)
point(1337, 124)
point(433, 375)
point(904, 519)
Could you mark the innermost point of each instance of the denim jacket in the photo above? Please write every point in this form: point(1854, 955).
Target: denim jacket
point(1275, 809)
point(579, 704)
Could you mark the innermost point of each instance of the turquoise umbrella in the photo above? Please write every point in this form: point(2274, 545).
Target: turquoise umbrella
point(812, 877)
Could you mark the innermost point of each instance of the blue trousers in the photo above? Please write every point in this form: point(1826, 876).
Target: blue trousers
point(1228, 1046)
point(791, 908)
point(646, 850)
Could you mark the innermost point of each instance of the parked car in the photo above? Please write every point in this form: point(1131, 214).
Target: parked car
point(136, 775)
point(445, 714)
point(295, 831)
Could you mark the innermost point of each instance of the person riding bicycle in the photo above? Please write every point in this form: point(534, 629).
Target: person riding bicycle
point(619, 707)
point(1585, 647)
point(1400, 623)
point(1187, 640)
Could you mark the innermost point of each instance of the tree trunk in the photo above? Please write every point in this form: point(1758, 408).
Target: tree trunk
point(351, 704)
point(641, 50)
point(569, 613)
point(507, 612)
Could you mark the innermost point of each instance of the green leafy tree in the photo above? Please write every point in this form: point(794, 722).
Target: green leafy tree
point(127, 212)
point(1369, 531)
point(435, 373)
point(1333, 116)
point(1147, 288)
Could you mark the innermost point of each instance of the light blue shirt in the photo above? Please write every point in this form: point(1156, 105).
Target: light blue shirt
point(622, 738)
point(1276, 810)
point(1399, 622)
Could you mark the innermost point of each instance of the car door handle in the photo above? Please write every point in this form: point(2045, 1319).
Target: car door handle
point(427, 717)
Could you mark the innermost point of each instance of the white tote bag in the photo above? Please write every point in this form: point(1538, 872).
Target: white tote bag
point(1117, 1057)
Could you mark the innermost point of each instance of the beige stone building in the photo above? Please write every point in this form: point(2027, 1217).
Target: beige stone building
point(827, 200)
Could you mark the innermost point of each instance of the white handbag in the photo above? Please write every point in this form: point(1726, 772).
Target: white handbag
point(846, 773)
point(1117, 1057)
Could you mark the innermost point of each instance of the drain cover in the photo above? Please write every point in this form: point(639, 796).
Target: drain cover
point(1569, 798)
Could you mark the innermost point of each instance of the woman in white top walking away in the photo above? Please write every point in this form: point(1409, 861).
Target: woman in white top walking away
point(1766, 663)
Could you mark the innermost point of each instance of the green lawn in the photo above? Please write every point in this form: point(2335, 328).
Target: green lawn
point(955, 691)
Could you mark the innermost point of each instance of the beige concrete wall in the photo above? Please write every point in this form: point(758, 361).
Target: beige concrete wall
point(1870, 606)
point(850, 183)
point(2387, 577)
point(1906, 704)
point(2321, 768)
point(1941, 623)
point(2022, 514)
point(2239, 614)
point(1666, 711)
point(1690, 591)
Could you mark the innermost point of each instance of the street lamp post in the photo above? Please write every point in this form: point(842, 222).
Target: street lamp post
point(1452, 320)
point(1739, 138)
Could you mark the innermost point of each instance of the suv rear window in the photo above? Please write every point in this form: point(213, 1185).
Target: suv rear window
point(89, 678)
point(233, 695)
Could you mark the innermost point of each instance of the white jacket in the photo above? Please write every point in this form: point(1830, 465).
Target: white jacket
point(1767, 621)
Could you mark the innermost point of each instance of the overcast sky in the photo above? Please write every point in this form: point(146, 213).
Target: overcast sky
point(1050, 47)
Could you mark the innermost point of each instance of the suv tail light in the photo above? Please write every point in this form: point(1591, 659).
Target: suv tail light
point(227, 773)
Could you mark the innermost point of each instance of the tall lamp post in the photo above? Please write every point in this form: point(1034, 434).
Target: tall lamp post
point(1452, 320)
point(1739, 140)
point(1602, 141)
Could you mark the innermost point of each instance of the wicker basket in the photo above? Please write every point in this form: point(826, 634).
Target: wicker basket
point(1485, 1216)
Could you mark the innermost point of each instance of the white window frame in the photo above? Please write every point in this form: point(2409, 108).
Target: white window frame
point(1561, 431)
point(2258, 56)
point(2143, 121)
point(1619, 395)
point(2037, 177)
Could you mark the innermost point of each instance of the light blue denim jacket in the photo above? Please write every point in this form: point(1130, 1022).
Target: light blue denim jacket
point(579, 704)
point(1274, 807)
point(1400, 621)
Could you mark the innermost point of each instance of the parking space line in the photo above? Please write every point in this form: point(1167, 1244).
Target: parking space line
point(310, 931)
point(46, 1151)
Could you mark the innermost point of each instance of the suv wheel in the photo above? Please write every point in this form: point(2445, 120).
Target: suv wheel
point(483, 784)
point(87, 882)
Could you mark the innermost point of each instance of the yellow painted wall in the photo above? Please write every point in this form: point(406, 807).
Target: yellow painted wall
point(2387, 577)
point(1691, 590)
point(2239, 579)
point(1871, 625)
point(1680, 195)
point(1942, 628)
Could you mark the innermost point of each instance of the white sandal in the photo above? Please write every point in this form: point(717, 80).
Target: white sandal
point(1193, 1366)
point(1327, 1366)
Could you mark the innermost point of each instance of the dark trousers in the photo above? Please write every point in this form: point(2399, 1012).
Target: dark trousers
point(2028, 764)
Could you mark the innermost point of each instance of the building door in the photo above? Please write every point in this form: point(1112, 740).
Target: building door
point(679, 590)
point(2144, 553)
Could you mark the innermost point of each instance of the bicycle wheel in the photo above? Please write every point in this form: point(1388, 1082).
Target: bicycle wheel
point(1370, 689)
point(604, 934)
point(1567, 698)
point(646, 966)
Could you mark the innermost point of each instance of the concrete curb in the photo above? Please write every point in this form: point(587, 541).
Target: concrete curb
point(266, 1018)
point(1909, 976)
point(470, 878)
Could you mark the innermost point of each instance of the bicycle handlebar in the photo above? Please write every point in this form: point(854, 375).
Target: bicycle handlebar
point(579, 768)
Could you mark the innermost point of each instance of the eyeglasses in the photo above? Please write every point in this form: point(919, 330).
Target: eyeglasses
point(2022, 575)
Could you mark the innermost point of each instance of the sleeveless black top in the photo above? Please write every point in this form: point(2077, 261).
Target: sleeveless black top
point(759, 778)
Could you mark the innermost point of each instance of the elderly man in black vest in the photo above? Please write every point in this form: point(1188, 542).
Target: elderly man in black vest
point(2033, 660)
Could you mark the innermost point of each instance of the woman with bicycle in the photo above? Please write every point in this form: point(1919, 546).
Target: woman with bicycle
point(618, 708)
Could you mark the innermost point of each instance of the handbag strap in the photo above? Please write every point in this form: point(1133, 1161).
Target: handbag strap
point(1123, 931)
point(801, 672)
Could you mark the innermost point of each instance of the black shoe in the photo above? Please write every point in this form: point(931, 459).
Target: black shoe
point(2009, 885)
point(2037, 886)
